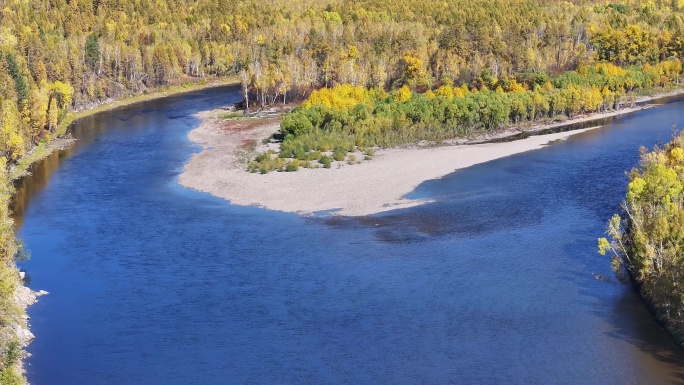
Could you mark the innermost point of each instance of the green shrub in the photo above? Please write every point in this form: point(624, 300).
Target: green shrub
point(300, 154)
point(339, 153)
point(296, 123)
point(279, 164)
point(265, 156)
point(9, 377)
point(12, 353)
point(285, 153)
point(326, 161)
point(314, 155)
point(253, 167)
point(265, 163)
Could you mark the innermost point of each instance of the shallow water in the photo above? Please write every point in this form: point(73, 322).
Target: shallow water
point(153, 283)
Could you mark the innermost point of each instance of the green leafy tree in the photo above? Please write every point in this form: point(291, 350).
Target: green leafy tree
point(92, 51)
point(647, 240)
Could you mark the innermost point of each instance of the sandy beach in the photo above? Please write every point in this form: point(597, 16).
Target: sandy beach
point(372, 186)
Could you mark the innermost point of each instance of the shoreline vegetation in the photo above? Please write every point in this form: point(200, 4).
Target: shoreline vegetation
point(645, 239)
point(345, 121)
point(371, 186)
point(59, 140)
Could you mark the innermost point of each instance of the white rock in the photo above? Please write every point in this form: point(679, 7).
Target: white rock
point(24, 335)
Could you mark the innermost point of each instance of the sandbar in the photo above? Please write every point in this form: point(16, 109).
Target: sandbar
point(370, 187)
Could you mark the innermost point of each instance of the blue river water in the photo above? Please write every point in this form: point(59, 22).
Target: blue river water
point(493, 283)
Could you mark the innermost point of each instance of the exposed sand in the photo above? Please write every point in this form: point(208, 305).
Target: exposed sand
point(361, 189)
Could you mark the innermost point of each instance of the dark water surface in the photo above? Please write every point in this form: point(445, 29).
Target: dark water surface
point(152, 283)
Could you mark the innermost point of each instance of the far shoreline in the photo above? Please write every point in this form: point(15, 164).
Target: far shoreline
point(368, 188)
point(640, 103)
point(60, 142)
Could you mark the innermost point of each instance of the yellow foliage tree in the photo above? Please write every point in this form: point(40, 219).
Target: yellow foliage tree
point(402, 94)
point(445, 91)
point(514, 86)
point(591, 99)
point(62, 92)
point(670, 69)
point(11, 142)
point(414, 74)
point(339, 97)
point(609, 69)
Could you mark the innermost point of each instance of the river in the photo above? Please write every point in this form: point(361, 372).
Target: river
point(153, 283)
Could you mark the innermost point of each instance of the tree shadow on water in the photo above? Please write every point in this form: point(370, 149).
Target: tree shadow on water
point(632, 322)
point(625, 314)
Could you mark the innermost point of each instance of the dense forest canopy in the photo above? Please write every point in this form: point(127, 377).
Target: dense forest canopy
point(58, 54)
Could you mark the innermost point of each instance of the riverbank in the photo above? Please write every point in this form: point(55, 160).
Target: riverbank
point(157, 93)
point(59, 141)
point(537, 128)
point(23, 296)
point(369, 187)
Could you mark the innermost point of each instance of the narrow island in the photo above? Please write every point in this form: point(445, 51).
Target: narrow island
point(369, 187)
point(341, 170)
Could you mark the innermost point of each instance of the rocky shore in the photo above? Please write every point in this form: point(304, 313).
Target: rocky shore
point(24, 297)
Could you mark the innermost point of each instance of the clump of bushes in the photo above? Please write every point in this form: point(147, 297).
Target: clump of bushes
point(339, 154)
point(292, 166)
point(326, 161)
point(267, 162)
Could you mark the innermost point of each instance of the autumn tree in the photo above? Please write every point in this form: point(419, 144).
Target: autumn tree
point(646, 240)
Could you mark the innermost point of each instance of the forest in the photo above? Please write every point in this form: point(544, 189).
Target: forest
point(345, 119)
point(646, 241)
point(370, 72)
point(59, 55)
